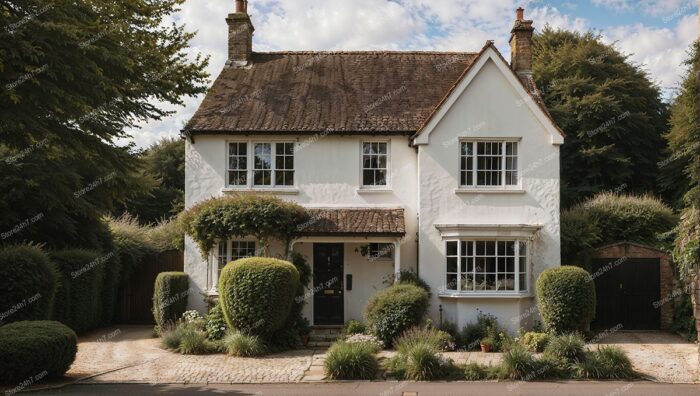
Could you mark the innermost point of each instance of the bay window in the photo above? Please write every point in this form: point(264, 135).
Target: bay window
point(486, 266)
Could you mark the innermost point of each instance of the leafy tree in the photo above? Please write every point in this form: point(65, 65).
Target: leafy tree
point(164, 163)
point(76, 74)
point(611, 113)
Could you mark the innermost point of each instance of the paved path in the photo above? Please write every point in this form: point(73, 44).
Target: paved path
point(664, 357)
point(109, 350)
point(637, 388)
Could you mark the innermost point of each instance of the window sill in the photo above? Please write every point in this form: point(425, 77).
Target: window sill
point(489, 191)
point(456, 294)
point(271, 190)
point(367, 190)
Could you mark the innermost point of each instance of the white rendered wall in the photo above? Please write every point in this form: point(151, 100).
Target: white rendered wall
point(489, 107)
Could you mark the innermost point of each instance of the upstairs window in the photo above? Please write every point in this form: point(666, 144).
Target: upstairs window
point(488, 164)
point(272, 164)
point(375, 164)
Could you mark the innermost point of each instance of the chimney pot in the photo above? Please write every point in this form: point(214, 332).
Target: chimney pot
point(520, 14)
point(240, 5)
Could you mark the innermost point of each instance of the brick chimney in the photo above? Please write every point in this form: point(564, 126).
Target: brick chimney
point(240, 36)
point(521, 44)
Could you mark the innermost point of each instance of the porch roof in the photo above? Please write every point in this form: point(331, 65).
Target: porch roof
point(353, 222)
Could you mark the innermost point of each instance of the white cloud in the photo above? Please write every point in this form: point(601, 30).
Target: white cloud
point(649, 7)
point(660, 51)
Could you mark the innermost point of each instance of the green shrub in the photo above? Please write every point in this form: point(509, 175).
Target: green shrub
point(215, 324)
point(536, 342)
point(243, 345)
point(351, 361)
point(608, 218)
point(566, 298)
point(257, 293)
point(171, 336)
point(605, 363)
point(394, 310)
point(519, 363)
point(471, 335)
point(548, 366)
point(194, 342)
point(569, 347)
point(475, 372)
point(422, 363)
point(170, 297)
point(110, 288)
point(35, 349)
point(354, 327)
point(451, 329)
point(439, 340)
point(28, 282)
point(82, 272)
point(407, 277)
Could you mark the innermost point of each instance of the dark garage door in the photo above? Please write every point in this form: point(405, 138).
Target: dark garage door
point(625, 292)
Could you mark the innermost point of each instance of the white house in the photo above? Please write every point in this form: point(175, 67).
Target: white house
point(444, 163)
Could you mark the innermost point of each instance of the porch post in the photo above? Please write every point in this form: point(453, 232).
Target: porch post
point(397, 261)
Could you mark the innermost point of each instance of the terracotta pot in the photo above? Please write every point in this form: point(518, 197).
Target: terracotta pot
point(486, 347)
point(304, 339)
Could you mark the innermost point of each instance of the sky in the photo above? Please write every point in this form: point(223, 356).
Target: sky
point(655, 34)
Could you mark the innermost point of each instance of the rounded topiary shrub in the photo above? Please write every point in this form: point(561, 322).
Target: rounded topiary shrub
point(396, 309)
point(28, 283)
point(82, 274)
point(566, 297)
point(170, 297)
point(33, 350)
point(257, 293)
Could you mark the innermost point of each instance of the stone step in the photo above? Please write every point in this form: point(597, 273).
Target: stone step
point(319, 344)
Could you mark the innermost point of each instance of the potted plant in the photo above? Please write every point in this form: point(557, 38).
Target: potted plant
point(487, 344)
point(304, 330)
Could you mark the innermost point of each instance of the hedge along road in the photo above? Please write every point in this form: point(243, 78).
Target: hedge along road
point(389, 388)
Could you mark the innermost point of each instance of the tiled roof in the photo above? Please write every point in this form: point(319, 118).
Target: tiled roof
point(353, 221)
point(331, 92)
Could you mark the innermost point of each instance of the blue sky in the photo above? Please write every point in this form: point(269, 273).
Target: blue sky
point(655, 33)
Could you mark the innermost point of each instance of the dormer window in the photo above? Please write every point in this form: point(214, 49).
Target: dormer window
point(488, 163)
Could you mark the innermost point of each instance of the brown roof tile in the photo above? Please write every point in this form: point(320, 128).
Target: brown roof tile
point(343, 92)
point(353, 221)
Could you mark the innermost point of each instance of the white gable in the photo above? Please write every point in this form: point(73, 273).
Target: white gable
point(520, 98)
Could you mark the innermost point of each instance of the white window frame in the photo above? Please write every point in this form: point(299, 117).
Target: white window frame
point(517, 265)
point(503, 185)
point(386, 247)
point(229, 257)
point(250, 159)
point(386, 186)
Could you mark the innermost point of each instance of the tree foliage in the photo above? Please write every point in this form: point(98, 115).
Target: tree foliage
point(684, 152)
point(611, 112)
point(76, 75)
point(164, 167)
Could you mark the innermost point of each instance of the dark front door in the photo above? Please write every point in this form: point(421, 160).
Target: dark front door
point(626, 293)
point(328, 284)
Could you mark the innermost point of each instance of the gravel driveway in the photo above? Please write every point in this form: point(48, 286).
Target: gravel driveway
point(131, 354)
point(658, 355)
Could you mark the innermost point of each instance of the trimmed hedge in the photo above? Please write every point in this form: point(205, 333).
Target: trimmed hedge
point(28, 284)
point(257, 293)
point(110, 288)
point(33, 350)
point(170, 297)
point(566, 298)
point(396, 309)
point(608, 218)
point(82, 275)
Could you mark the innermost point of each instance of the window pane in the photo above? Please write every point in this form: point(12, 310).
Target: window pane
point(380, 178)
point(451, 248)
point(263, 153)
point(451, 282)
point(452, 264)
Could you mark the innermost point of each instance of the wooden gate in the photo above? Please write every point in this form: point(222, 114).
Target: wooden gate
point(136, 299)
